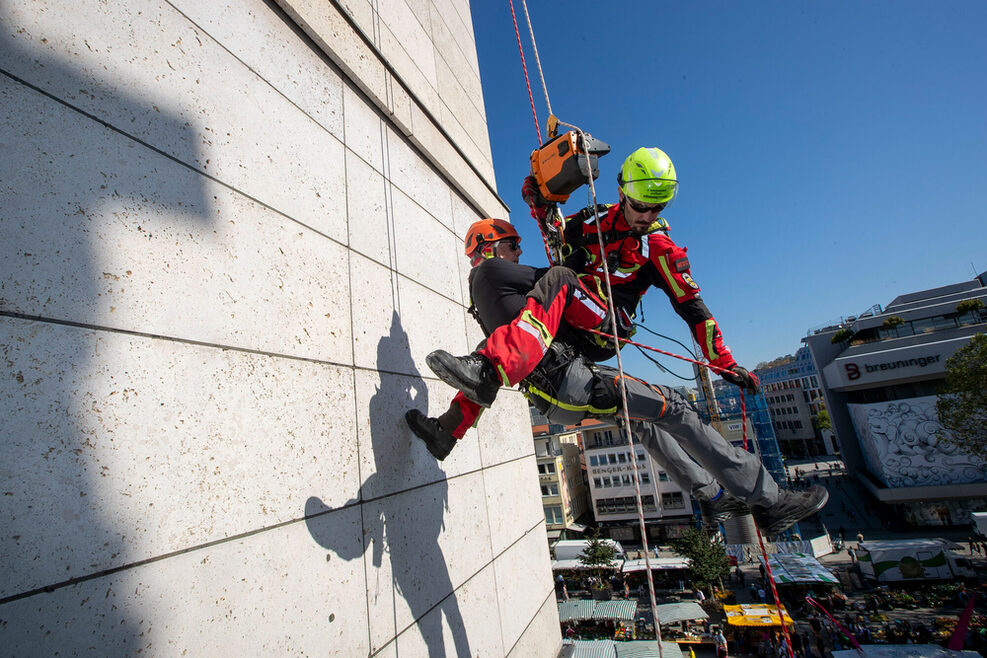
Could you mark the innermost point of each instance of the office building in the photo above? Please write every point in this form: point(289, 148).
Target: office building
point(880, 374)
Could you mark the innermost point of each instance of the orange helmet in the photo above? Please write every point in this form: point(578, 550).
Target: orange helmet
point(488, 231)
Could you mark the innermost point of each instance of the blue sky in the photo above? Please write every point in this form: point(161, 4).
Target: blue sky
point(831, 155)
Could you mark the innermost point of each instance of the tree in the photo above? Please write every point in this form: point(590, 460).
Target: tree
point(708, 563)
point(821, 420)
point(841, 335)
point(962, 405)
point(598, 554)
point(893, 321)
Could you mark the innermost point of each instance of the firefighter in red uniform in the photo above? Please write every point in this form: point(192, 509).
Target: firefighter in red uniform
point(640, 255)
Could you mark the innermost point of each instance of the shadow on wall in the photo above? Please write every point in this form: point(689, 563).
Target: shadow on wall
point(404, 526)
point(71, 188)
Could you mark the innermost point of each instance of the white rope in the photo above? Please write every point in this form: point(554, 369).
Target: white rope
point(534, 46)
point(623, 397)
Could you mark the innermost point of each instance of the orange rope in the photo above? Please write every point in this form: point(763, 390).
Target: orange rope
point(524, 66)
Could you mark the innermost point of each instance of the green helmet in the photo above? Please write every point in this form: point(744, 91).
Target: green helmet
point(648, 176)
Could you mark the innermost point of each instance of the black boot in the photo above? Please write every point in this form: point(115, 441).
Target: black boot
point(792, 507)
point(438, 441)
point(473, 375)
point(724, 506)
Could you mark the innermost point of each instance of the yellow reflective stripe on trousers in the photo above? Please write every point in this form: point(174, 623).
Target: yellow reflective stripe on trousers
point(710, 342)
point(546, 335)
point(663, 261)
point(570, 407)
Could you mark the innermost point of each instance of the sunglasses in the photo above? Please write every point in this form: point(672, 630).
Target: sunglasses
point(641, 208)
point(513, 243)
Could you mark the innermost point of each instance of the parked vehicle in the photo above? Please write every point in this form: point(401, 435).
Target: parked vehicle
point(912, 560)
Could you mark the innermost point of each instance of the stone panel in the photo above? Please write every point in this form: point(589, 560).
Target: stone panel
point(190, 99)
point(525, 562)
point(119, 448)
point(515, 501)
point(127, 238)
point(543, 635)
point(392, 459)
point(261, 40)
point(427, 250)
point(370, 212)
point(480, 634)
point(416, 178)
point(506, 435)
point(426, 542)
point(274, 593)
point(365, 133)
point(454, 55)
point(404, 30)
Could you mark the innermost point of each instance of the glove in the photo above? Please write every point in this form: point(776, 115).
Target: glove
point(739, 376)
point(531, 194)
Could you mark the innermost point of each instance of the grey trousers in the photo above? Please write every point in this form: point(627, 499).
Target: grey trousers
point(672, 432)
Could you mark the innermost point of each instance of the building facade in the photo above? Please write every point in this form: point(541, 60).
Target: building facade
point(881, 373)
point(667, 508)
point(561, 480)
point(794, 399)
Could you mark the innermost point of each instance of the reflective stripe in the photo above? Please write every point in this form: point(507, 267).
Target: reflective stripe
point(570, 407)
point(663, 262)
point(710, 342)
point(546, 335)
point(590, 304)
point(503, 375)
point(479, 413)
point(646, 248)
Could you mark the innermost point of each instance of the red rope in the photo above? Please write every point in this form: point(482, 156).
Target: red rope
point(524, 66)
point(774, 593)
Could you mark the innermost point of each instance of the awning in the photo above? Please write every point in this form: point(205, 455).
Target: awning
point(629, 649)
point(669, 613)
point(582, 609)
point(554, 534)
point(790, 568)
point(576, 609)
point(656, 563)
point(905, 651)
point(755, 615)
point(623, 610)
point(576, 527)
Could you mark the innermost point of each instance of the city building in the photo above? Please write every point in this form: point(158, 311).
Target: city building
point(561, 479)
point(791, 388)
point(880, 374)
point(667, 508)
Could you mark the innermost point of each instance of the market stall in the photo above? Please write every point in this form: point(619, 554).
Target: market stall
point(755, 616)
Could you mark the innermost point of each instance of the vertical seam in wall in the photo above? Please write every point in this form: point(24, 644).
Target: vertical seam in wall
point(356, 405)
point(500, 615)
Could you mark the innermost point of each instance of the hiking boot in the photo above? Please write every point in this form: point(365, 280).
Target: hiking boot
point(473, 375)
point(791, 508)
point(723, 507)
point(438, 441)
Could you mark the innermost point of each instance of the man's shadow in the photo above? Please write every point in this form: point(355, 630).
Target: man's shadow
point(405, 526)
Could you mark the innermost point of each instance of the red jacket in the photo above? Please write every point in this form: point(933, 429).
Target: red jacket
point(638, 262)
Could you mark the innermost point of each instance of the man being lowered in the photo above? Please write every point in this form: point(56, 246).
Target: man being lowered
point(544, 325)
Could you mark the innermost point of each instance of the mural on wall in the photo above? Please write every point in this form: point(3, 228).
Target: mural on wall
point(900, 445)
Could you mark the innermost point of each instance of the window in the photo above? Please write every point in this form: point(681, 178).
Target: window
point(627, 481)
point(553, 515)
point(622, 458)
point(550, 489)
point(598, 483)
point(640, 456)
point(662, 476)
point(612, 458)
point(645, 477)
point(593, 461)
point(673, 500)
point(546, 469)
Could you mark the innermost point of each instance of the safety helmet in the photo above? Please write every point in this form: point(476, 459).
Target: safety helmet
point(648, 176)
point(487, 232)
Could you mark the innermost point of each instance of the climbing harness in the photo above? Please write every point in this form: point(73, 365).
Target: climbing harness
point(559, 161)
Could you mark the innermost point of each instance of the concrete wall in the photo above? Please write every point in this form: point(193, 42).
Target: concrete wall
point(229, 235)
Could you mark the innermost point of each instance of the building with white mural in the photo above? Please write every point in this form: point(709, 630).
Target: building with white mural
point(880, 380)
